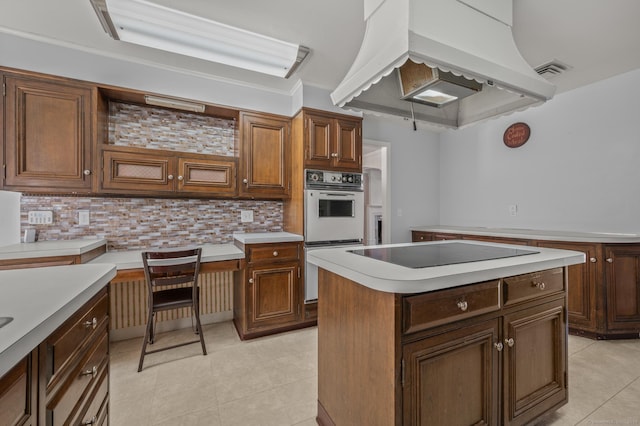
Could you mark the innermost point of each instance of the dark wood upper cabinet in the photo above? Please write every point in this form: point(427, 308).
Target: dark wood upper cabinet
point(48, 134)
point(332, 141)
point(265, 145)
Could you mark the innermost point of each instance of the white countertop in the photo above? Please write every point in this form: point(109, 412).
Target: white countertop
point(50, 248)
point(40, 300)
point(391, 278)
point(267, 237)
point(132, 259)
point(534, 234)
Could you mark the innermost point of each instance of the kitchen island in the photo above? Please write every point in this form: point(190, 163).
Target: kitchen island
point(480, 342)
point(54, 362)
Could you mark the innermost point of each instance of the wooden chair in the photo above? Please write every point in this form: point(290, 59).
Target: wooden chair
point(167, 273)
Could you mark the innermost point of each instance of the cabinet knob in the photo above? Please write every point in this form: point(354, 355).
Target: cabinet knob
point(93, 372)
point(463, 305)
point(610, 259)
point(540, 286)
point(91, 324)
point(334, 155)
point(245, 181)
point(275, 253)
point(87, 172)
point(180, 178)
point(509, 342)
point(91, 421)
point(593, 260)
point(170, 177)
point(422, 238)
point(250, 280)
point(498, 346)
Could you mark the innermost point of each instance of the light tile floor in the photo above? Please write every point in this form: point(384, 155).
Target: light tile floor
point(273, 381)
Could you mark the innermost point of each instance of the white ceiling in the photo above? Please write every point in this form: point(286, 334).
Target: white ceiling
point(597, 39)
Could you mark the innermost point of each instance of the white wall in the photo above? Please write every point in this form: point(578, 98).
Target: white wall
point(414, 173)
point(580, 169)
point(9, 218)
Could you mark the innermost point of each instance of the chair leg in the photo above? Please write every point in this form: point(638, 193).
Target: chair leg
point(147, 335)
point(199, 329)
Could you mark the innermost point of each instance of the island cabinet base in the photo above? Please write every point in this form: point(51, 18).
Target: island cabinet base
point(491, 353)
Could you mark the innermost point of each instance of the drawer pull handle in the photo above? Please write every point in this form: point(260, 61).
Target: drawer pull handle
point(540, 286)
point(91, 324)
point(509, 342)
point(498, 346)
point(93, 372)
point(463, 305)
point(91, 421)
point(275, 253)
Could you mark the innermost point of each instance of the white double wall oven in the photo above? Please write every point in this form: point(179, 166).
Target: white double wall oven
point(334, 217)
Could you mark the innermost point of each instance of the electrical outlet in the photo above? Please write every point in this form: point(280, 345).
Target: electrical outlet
point(83, 217)
point(42, 217)
point(246, 215)
point(513, 210)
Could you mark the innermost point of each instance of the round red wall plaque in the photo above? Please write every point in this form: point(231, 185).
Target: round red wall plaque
point(516, 135)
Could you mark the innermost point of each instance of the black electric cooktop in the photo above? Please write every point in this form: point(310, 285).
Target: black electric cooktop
point(427, 255)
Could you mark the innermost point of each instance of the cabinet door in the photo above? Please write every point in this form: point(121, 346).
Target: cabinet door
point(18, 396)
point(623, 288)
point(265, 144)
point(274, 295)
point(48, 135)
point(215, 176)
point(535, 361)
point(583, 282)
point(132, 172)
point(319, 141)
point(348, 147)
point(452, 378)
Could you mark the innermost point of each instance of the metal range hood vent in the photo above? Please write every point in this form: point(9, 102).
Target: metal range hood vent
point(449, 63)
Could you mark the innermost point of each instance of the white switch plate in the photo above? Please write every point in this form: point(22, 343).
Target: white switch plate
point(40, 217)
point(246, 215)
point(513, 210)
point(83, 217)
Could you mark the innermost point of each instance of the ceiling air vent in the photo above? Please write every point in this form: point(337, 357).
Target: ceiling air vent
point(552, 68)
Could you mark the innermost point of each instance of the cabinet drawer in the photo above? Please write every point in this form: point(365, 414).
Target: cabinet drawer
point(275, 252)
point(98, 404)
point(71, 337)
point(80, 380)
point(431, 309)
point(529, 286)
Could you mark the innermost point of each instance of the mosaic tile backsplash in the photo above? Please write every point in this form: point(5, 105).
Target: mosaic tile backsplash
point(140, 223)
point(157, 128)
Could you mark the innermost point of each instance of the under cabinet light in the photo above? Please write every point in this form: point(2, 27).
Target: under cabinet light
point(173, 103)
point(148, 24)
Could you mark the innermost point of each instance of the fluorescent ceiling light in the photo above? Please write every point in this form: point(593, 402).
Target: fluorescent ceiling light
point(173, 103)
point(152, 25)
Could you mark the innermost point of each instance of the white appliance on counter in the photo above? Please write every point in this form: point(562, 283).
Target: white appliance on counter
point(9, 218)
point(334, 217)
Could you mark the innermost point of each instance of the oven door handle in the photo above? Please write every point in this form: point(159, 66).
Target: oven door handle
point(335, 194)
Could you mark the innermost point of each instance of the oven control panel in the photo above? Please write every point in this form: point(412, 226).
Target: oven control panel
point(336, 180)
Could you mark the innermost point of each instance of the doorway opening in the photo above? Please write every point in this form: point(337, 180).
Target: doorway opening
point(375, 169)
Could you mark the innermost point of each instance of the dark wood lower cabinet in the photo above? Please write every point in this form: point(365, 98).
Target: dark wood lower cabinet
point(623, 289)
point(603, 294)
point(459, 356)
point(436, 367)
point(267, 293)
point(18, 393)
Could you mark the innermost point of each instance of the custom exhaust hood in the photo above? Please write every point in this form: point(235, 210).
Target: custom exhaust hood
point(450, 63)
